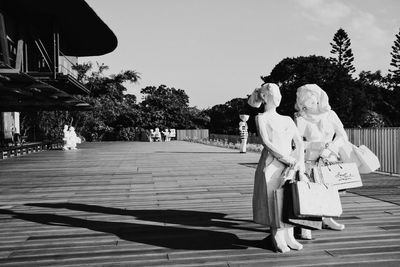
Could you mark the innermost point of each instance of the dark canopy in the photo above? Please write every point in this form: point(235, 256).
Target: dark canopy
point(82, 32)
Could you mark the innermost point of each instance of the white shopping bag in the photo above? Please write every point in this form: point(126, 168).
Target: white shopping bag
point(369, 161)
point(312, 199)
point(339, 175)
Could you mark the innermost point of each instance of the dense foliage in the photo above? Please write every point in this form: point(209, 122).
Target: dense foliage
point(165, 107)
point(115, 114)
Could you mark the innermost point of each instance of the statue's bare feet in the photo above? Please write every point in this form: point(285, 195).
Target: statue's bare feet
point(330, 223)
point(291, 241)
point(278, 241)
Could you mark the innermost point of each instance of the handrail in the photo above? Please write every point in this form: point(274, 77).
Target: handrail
point(69, 71)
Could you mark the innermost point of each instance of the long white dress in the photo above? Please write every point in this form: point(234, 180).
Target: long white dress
point(268, 176)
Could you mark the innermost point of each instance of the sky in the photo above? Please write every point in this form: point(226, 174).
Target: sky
point(216, 50)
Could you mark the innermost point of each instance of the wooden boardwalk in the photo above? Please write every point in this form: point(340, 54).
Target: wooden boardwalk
point(170, 204)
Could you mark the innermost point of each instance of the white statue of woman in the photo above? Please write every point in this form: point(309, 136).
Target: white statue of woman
point(243, 132)
point(157, 135)
point(152, 136)
point(277, 133)
point(323, 133)
point(65, 137)
point(166, 135)
point(73, 138)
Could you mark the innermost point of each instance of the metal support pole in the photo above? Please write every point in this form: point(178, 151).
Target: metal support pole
point(56, 51)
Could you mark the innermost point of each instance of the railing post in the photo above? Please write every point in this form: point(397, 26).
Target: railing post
point(3, 41)
point(56, 51)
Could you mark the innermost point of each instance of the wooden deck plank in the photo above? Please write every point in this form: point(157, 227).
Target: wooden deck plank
point(170, 204)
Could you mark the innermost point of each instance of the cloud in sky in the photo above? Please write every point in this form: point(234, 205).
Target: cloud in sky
point(312, 38)
point(325, 12)
point(365, 29)
point(361, 24)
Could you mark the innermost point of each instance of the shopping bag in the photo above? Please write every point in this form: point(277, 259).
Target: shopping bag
point(315, 200)
point(284, 214)
point(369, 161)
point(340, 175)
point(288, 216)
point(276, 220)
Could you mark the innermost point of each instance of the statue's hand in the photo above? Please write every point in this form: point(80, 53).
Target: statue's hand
point(288, 160)
point(299, 166)
point(303, 177)
point(325, 153)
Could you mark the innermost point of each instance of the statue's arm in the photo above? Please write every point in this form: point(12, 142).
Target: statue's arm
point(301, 127)
point(340, 134)
point(262, 130)
point(298, 141)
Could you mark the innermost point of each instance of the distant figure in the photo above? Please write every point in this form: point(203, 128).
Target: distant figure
point(157, 135)
point(152, 135)
point(71, 139)
point(65, 137)
point(243, 132)
point(74, 139)
point(172, 134)
point(15, 137)
point(166, 134)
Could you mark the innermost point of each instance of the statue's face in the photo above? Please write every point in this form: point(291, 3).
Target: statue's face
point(271, 97)
point(311, 104)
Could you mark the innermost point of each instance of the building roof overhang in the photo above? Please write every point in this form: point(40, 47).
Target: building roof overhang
point(82, 32)
point(22, 92)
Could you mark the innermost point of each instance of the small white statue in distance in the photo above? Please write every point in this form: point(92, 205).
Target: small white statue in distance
point(277, 133)
point(70, 138)
point(152, 136)
point(157, 135)
point(166, 135)
point(243, 132)
point(65, 137)
point(74, 139)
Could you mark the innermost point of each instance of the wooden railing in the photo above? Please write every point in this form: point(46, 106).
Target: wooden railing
point(192, 134)
point(27, 148)
point(384, 142)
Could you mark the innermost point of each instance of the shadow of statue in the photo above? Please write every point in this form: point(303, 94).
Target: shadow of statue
point(182, 217)
point(198, 152)
point(174, 237)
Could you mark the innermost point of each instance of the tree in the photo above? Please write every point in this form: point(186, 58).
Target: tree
point(199, 117)
point(114, 113)
point(395, 62)
point(382, 98)
point(165, 107)
point(224, 118)
point(341, 48)
point(291, 73)
point(345, 97)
